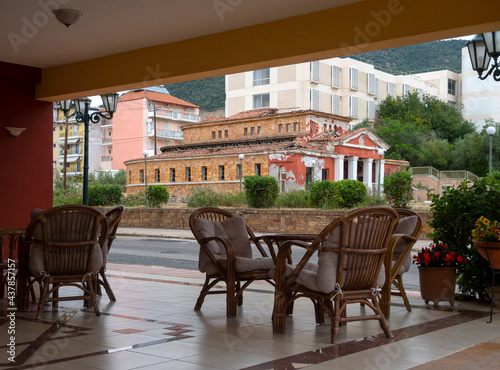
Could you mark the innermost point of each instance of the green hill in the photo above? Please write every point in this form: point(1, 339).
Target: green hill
point(210, 95)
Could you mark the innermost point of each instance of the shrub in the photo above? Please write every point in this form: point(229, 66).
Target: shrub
point(134, 200)
point(323, 194)
point(350, 193)
point(261, 191)
point(398, 189)
point(237, 199)
point(157, 195)
point(374, 200)
point(294, 199)
point(203, 198)
point(68, 196)
point(452, 221)
point(104, 195)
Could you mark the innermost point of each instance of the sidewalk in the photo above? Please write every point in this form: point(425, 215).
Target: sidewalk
point(187, 234)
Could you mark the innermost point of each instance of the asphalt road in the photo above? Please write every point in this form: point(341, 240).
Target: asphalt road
point(183, 254)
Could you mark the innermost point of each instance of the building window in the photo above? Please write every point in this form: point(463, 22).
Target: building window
point(261, 101)
point(220, 134)
point(203, 173)
point(280, 128)
point(60, 128)
point(245, 131)
point(287, 127)
point(282, 179)
point(226, 133)
point(452, 87)
point(252, 130)
point(261, 77)
point(109, 151)
point(188, 174)
point(221, 173)
point(295, 126)
point(324, 174)
point(129, 177)
point(314, 71)
point(172, 175)
point(406, 89)
point(336, 104)
point(314, 99)
point(157, 175)
point(353, 106)
point(109, 133)
point(213, 134)
point(354, 78)
point(335, 76)
point(141, 175)
point(257, 169)
point(259, 130)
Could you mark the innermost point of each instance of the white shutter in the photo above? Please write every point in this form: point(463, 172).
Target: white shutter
point(353, 102)
point(372, 84)
point(315, 72)
point(335, 76)
point(420, 93)
point(353, 76)
point(390, 89)
point(315, 100)
point(371, 109)
point(406, 89)
point(336, 104)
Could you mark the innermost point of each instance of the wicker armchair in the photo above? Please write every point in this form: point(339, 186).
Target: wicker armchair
point(350, 251)
point(226, 255)
point(66, 250)
point(398, 258)
point(114, 217)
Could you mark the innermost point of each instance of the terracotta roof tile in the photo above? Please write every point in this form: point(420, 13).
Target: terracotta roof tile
point(155, 96)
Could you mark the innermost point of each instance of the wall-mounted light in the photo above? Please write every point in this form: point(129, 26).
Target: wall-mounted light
point(67, 17)
point(15, 131)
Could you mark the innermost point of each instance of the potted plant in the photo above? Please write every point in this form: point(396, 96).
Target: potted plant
point(486, 239)
point(437, 266)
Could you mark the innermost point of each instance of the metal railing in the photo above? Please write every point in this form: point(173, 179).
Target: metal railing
point(443, 175)
point(167, 134)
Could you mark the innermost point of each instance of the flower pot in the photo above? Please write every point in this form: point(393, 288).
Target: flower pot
point(437, 284)
point(496, 294)
point(490, 251)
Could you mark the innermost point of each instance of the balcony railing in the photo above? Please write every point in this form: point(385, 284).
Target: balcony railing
point(167, 134)
point(107, 141)
point(176, 116)
point(106, 159)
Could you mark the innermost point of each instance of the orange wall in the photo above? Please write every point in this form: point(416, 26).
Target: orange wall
point(128, 139)
point(26, 160)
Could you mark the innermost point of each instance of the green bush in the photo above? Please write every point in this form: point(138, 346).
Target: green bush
point(294, 199)
point(323, 194)
point(157, 195)
point(237, 199)
point(104, 195)
point(261, 191)
point(452, 221)
point(398, 189)
point(350, 193)
point(134, 200)
point(374, 200)
point(68, 196)
point(203, 198)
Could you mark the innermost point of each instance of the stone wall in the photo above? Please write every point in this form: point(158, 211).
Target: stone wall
point(260, 220)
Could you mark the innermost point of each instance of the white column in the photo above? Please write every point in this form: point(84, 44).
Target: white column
point(367, 173)
point(339, 168)
point(353, 168)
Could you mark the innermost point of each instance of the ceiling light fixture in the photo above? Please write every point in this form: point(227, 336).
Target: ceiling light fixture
point(67, 17)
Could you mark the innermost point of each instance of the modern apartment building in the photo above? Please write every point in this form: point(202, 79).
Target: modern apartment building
point(145, 119)
point(341, 86)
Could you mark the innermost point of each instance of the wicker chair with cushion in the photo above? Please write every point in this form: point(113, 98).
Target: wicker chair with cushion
point(226, 255)
point(350, 252)
point(399, 257)
point(114, 217)
point(66, 250)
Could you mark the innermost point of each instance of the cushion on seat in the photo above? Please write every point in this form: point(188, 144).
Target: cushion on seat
point(234, 229)
point(243, 264)
point(406, 226)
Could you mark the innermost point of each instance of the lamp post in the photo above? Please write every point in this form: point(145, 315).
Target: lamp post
point(145, 154)
point(81, 114)
point(313, 162)
point(380, 154)
point(491, 131)
point(241, 156)
point(482, 48)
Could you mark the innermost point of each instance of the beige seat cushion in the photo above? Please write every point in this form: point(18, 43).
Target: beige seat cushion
point(234, 229)
point(406, 226)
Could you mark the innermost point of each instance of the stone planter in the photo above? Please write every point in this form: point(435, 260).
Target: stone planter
point(437, 284)
point(490, 251)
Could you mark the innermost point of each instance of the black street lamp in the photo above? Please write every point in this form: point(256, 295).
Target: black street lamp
point(145, 154)
point(241, 156)
point(380, 172)
point(482, 48)
point(81, 114)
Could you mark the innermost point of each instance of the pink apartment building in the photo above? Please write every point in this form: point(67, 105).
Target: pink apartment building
point(132, 129)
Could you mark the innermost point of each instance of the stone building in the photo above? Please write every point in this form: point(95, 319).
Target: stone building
point(294, 147)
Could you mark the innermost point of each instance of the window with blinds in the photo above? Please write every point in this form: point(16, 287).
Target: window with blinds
point(335, 76)
point(372, 84)
point(315, 71)
point(390, 89)
point(260, 101)
point(336, 104)
point(406, 89)
point(314, 99)
point(354, 78)
point(371, 108)
point(353, 105)
point(261, 77)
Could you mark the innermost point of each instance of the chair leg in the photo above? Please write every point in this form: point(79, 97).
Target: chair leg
point(93, 299)
point(203, 293)
point(279, 314)
point(106, 285)
point(43, 296)
point(231, 300)
point(335, 324)
point(383, 322)
point(240, 296)
point(385, 303)
point(398, 282)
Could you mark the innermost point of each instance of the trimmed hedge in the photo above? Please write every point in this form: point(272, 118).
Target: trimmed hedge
point(261, 191)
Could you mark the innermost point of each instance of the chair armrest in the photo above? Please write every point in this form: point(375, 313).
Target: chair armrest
point(275, 242)
point(226, 243)
point(282, 259)
point(390, 271)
